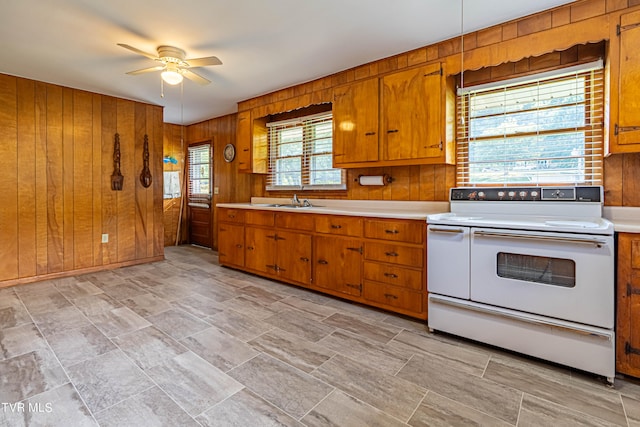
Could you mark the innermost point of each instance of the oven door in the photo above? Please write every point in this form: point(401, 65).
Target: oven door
point(562, 275)
point(448, 260)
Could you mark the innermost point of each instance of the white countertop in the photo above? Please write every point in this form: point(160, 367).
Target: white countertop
point(624, 219)
point(369, 208)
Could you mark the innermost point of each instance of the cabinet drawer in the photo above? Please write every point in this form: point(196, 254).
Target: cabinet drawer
point(393, 296)
point(396, 230)
point(342, 225)
point(294, 221)
point(231, 215)
point(254, 217)
point(395, 254)
point(394, 275)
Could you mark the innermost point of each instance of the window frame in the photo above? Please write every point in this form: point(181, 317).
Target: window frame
point(593, 128)
point(306, 124)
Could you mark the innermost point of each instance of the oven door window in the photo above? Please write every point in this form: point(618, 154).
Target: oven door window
point(538, 269)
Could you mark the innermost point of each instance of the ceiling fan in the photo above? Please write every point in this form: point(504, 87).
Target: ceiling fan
point(173, 64)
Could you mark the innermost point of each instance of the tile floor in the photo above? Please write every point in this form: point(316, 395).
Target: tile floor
point(185, 342)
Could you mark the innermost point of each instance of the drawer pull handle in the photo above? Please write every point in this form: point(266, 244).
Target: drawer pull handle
point(323, 262)
point(369, 133)
point(231, 216)
point(391, 231)
point(358, 249)
point(358, 287)
point(392, 131)
point(391, 254)
point(336, 227)
point(391, 296)
point(391, 275)
point(272, 236)
point(249, 248)
point(304, 259)
point(246, 149)
point(238, 246)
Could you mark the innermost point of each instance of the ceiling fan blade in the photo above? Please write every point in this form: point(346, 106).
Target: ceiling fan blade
point(138, 51)
point(194, 77)
point(203, 62)
point(146, 70)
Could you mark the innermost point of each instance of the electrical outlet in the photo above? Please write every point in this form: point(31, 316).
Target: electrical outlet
point(216, 190)
point(105, 238)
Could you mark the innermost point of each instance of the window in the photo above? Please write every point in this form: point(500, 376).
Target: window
point(199, 176)
point(301, 155)
point(547, 129)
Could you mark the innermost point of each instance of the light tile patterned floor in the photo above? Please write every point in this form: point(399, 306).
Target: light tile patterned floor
point(185, 342)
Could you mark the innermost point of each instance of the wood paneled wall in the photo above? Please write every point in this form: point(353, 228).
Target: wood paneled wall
point(511, 48)
point(56, 162)
point(231, 185)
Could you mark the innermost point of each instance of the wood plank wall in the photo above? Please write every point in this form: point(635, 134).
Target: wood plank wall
point(57, 161)
point(232, 186)
point(503, 46)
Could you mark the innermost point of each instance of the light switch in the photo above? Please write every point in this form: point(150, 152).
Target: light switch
point(105, 238)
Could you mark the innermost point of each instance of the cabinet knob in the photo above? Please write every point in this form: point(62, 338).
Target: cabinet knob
point(391, 254)
point(323, 262)
point(391, 296)
point(304, 259)
point(391, 231)
point(391, 275)
point(335, 226)
point(249, 248)
point(238, 246)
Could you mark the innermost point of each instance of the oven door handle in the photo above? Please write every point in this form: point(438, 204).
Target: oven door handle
point(597, 243)
point(446, 230)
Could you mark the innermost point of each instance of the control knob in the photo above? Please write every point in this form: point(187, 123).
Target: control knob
point(501, 194)
point(481, 195)
point(512, 194)
point(534, 194)
point(523, 194)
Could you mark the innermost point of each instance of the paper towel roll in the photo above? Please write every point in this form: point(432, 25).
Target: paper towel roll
point(372, 180)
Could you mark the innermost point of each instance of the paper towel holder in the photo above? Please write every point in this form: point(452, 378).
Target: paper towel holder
point(374, 179)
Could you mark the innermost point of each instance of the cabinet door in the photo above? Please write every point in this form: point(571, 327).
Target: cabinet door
point(261, 249)
point(411, 110)
point(628, 311)
point(627, 127)
point(355, 123)
point(231, 244)
point(243, 141)
point(338, 263)
point(294, 256)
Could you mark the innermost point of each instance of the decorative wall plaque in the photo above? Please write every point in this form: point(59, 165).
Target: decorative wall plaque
point(145, 175)
point(116, 178)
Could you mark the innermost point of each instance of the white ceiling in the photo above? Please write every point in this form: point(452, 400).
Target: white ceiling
point(264, 45)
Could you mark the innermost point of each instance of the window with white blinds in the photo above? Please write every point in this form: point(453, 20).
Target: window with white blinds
point(301, 155)
point(545, 130)
point(199, 188)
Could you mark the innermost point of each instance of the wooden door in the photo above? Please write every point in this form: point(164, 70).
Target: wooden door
point(260, 252)
point(294, 256)
point(411, 109)
point(628, 311)
point(355, 123)
point(338, 264)
point(231, 244)
point(199, 185)
point(627, 127)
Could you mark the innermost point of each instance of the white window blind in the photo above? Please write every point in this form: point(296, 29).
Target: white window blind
point(199, 188)
point(547, 130)
point(301, 155)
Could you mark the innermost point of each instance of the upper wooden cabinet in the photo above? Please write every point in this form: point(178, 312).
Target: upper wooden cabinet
point(402, 118)
point(251, 143)
point(625, 86)
point(355, 123)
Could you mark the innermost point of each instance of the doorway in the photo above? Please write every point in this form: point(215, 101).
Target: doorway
point(199, 186)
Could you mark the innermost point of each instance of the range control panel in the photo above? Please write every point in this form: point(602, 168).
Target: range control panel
point(528, 194)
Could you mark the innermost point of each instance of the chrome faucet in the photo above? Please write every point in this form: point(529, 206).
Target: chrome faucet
point(295, 200)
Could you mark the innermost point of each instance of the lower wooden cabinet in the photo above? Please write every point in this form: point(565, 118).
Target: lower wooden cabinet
point(628, 306)
point(337, 264)
point(231, 244)
point(373, 261)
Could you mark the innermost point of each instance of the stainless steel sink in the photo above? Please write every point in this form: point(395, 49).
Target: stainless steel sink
point(283, 205)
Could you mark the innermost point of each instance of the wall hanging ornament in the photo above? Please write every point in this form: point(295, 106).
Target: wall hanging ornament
point(116, 178)
point(145, 175)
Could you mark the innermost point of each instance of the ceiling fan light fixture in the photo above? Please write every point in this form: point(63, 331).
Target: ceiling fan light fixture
point(171, 76)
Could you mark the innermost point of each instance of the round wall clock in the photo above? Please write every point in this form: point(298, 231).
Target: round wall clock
point(229, 152)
